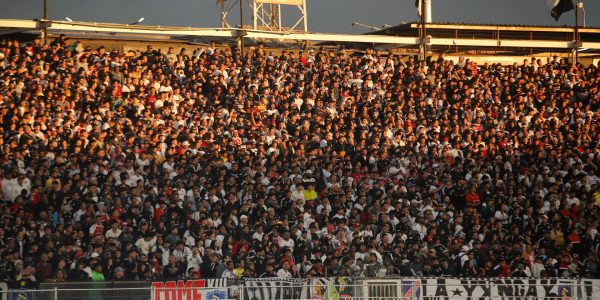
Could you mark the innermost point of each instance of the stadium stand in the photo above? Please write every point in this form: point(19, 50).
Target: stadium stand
point(174, 165)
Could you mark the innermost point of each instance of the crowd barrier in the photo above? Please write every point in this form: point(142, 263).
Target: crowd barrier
point(339, 288)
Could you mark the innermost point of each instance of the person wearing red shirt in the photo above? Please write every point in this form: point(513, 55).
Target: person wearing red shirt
point(97, 229)
point(151, 98)
point(303, 59)
point(574, 239)
point(503, 269)
point(160, 211)
point(472, 197)
point(288, 257)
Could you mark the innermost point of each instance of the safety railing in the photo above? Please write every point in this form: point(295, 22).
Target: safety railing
point(76, 294)
point(147, 293)
point(342, 288)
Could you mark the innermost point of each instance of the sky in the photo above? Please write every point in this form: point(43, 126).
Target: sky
point(331, 16)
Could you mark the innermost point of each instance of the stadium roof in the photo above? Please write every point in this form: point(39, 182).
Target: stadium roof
point(487, 26)
point(444, 37)
point(511, 38)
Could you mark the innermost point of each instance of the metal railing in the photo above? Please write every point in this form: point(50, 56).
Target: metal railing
point(326, 289)
point(73, 294)
point(146, 293)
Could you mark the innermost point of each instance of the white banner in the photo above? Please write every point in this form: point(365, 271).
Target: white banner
point(588, 289)
point(455, 289)
point(275, 289)
point(3, 290)
point(199, 289)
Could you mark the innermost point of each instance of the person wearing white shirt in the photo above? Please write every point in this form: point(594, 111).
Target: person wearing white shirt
point(80, 212)
point(194, 259)
point(286, 241)
point(384, 235)
point(537, 267)
point(9, 187)
point(258, 235)
point(229, 273)
point(181, 252)
point(114, 231)
point(142, 161)
point(132, 181)
point(169, 165)
point(22, 183)
point(298, 195)
point(166, 253)
point(324, 205)
point(361, 253)
point(145, 243)
point(502, 214)
point(420, 228)
point(298, 100)
point(572, 199)
point(284, 272)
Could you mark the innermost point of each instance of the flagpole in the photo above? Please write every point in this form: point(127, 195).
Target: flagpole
point(423, 33)
point(242, 28)
point(576, 34)
point(45, 29)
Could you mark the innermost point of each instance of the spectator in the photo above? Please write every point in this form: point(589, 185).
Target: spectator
point(209, 268)
point(229, 272)
point(43, 268)
point(97, 275)
point(284, 271)
point(173, 270)
point(159, 163)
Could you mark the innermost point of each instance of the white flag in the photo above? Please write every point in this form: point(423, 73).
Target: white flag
point(419, 5)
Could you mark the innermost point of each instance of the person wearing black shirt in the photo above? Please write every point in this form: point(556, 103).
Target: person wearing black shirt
point(458, 193)
point(469, 268)
point(543, 227)
point(173, 270)
point(130, 264)
point(519, 272)
point(516, 219)
point(546, 241)
point(446, 269)
point(269, 272)
point(260, 262)
point(209, 266)
point(79, 274)
point(230, 205)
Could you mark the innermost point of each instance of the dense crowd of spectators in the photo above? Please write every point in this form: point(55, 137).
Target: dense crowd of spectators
point(175, 164)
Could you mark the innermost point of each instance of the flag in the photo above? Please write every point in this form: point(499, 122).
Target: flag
point(332, 292)
point(220, 2)
point(560, 6)
point(419, 5)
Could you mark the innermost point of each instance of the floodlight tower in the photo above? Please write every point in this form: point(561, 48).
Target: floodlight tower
point(226, 8)
point(266, 15)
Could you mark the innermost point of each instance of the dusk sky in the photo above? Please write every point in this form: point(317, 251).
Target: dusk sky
point(334, 16)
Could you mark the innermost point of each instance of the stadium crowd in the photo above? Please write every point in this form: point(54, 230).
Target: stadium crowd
point(184, 164)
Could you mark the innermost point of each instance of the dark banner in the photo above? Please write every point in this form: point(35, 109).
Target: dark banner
point(275, 289)
point(119, 290)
